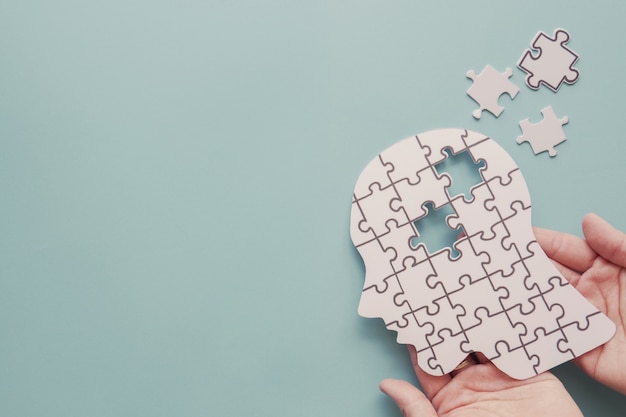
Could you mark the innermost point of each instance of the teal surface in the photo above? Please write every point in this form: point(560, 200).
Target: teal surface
point(175, 185)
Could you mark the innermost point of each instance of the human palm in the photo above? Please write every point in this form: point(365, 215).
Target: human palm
point(596, 267)
point(481, 390)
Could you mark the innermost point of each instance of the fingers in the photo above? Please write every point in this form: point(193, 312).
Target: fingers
point(568, 250)
point(430, 383)
point(606, 240)
point(412, 402)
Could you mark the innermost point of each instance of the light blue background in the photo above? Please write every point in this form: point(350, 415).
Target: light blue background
point(175, 184)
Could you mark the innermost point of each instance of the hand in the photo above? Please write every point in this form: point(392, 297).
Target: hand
point(480, 390)
point(596, 267)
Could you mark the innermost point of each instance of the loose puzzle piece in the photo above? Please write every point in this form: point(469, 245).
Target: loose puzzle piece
point(553, 64)
point(500, 295)
point(487, 88)
point(545, 135)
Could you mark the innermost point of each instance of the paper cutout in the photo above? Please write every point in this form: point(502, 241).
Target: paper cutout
point(545, 135)
point(487, 88)
point(501, 296)
point(553, 63)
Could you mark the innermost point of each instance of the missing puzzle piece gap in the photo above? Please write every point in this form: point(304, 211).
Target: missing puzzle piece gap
point(434, 231)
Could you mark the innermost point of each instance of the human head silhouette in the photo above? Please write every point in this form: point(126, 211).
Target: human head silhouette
point(501, 296)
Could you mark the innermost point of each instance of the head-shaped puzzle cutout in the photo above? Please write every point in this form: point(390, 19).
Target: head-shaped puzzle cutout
point(500, 296)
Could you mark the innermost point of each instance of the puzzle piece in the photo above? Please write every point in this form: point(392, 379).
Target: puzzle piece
point(575, 309)
point(506, 355)
point(472, 297)
point(553, 64)
point(500, 295)
point(497, 164)
point(545, 135)
point(541, 349)
point(507, 196)
point(399, 241)
point(359, 237)
point(377, 263)
point(377, 211)
point(469, 264)
point(521, 223)
point(487, 88)
point(447, 314)
point(471, 215)
point(411, 197)
point(450, 271)
point(579, 337)
point(506, 256)
point(404, 160)
point(521, 301)
point(438, 141)
point(376, 172)
point(412, 333)
point(382, 303)
point(413, 279)
point(538, 261)
point(538, 316)
point(442, 353)
point(488, 331)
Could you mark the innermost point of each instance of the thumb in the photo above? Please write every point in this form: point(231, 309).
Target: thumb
point(412, 402)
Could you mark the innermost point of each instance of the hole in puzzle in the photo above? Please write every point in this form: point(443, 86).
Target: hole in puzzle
point(433, 229)
point(434, 232)
point(465, 173)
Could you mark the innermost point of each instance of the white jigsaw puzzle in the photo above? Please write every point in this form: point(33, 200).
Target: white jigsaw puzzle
point(545, 135)
point(500, 296)
point(487, 88)
point(553, 63)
